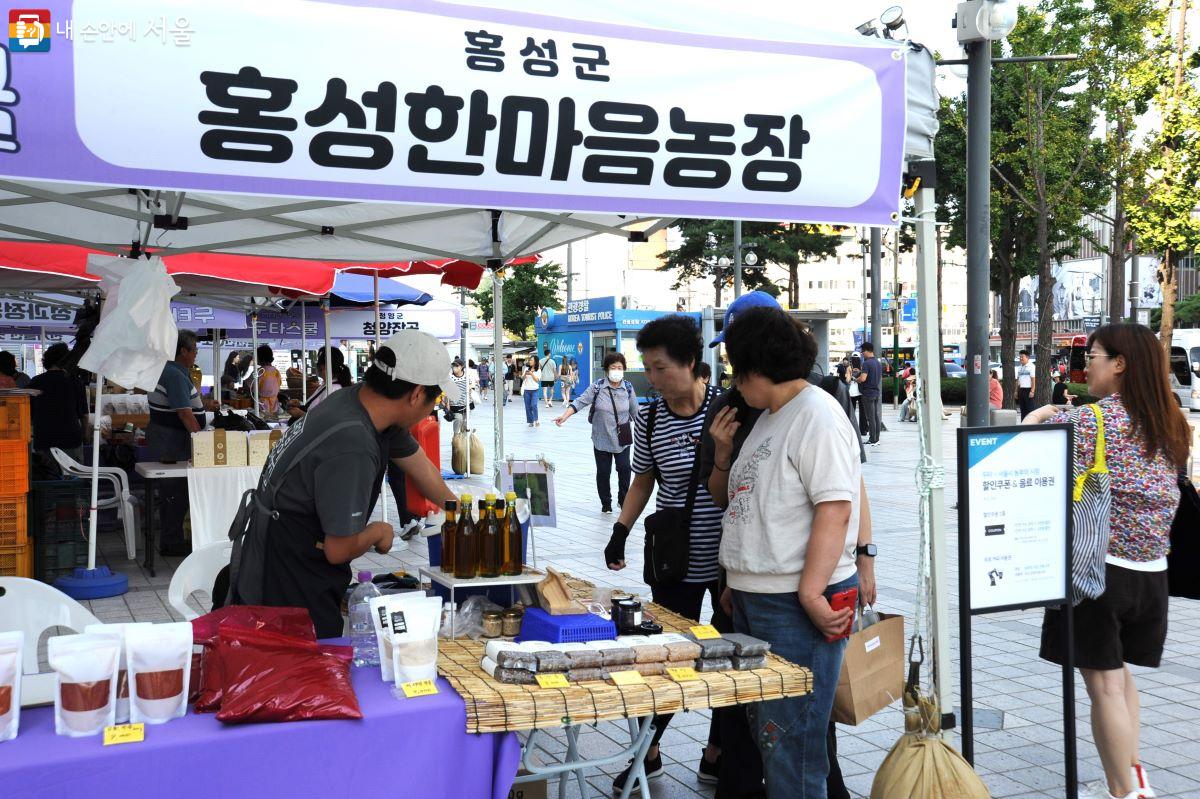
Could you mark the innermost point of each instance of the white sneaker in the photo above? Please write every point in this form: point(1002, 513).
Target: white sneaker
point(1099, 790)
point(1141, 783)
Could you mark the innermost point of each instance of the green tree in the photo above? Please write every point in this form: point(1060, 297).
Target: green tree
point(1055, 152)
point(527, 289)
point(1115, 53)
point(1169, 166)
point(705, 241)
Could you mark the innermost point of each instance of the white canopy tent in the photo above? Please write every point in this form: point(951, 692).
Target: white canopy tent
point(642, 112)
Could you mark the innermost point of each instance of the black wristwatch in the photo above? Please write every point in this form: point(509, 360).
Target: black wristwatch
point(870, 550)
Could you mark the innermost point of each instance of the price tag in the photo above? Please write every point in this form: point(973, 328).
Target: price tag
point(124, 734)
point(552, 680)
point(627, 678)
point(704, 631)
point(419, 688)
point(683, 674)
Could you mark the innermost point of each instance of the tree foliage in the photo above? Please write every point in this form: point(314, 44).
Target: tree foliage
point(527, 289)
point(705, 241)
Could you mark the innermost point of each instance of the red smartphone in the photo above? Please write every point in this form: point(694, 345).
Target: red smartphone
point(841, 601)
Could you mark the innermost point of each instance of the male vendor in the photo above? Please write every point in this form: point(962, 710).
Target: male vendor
point(326, 474)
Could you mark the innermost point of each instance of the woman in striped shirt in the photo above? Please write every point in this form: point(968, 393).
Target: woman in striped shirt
point(666, 445)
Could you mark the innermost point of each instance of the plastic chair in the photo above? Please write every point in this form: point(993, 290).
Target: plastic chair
point(34, 607)
point(197, 572)
point(121, 498)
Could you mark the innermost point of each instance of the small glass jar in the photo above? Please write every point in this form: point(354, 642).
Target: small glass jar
point(512, 622)
point(493, 624)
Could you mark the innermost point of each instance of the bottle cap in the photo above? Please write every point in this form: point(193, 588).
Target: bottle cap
point(466, 500)
point(499, 504)
point(364, 577)
point(510, 495)
point(451, 504)
point(490, 497)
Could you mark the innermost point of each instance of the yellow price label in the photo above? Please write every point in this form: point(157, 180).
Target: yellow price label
point(627, 678)
point(704, 631)
point(124, 734)
point(552, 680)
point(419, 688)
point(683, 674)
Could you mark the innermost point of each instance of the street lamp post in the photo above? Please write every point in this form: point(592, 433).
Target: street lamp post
point(737, 259)
point(863, 243)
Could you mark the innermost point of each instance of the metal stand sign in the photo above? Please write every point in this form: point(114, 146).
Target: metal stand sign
point(1014, 545)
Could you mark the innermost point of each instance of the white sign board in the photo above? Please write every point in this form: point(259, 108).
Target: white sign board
point(360, 324)
point(1014, 492)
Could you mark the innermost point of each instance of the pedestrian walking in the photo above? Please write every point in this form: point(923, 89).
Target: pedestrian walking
point(568, 379)
point(611, 403)
point(549, 376)
point(870, 381)
point(529, 390)
point(1144, 439)
point(510, 377)
point(1025, 377)
point(1060, 395)
point(855, 392)
point(485, 378)
point(995, 391)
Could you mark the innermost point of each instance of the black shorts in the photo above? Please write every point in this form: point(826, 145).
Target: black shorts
point(1127, 624)
point(547, 384)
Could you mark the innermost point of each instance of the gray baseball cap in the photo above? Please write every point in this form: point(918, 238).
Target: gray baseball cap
point(420, 359)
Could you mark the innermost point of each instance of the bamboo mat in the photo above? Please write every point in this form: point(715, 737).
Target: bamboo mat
point(499, 707)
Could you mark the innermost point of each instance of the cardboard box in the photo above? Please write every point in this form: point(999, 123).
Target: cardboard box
point(260, 444)
point(536, 789)
point(219, 448)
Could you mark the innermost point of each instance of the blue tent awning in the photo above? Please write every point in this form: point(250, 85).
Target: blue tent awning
point(354, 289)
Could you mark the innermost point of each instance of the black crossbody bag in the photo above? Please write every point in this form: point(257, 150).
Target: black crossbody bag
point(669, 531)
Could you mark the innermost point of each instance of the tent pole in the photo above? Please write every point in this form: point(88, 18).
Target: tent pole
point(328, 348)
point(929, 367)
point(303, 354)
point(497, 376)
point(42, 330)
point(216, 358)
point(383, 490)
point(254, 355)
point(95, 474)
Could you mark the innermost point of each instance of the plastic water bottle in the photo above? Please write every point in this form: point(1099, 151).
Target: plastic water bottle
point(362, 631)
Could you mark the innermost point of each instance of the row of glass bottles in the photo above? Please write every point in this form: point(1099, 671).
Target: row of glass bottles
point(488, 545)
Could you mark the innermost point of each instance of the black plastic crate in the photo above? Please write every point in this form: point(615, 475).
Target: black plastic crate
point(58, 526)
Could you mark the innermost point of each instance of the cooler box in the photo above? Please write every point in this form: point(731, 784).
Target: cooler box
point(426, 432)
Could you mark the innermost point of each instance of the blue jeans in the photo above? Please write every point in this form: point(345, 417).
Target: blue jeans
point(791, 733)
point(531, 406)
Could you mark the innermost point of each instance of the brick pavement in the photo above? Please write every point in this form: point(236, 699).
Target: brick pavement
point(1018, 704)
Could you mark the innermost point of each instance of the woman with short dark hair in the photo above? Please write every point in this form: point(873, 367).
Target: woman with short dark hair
point(269, 381)
point(613, 403)
point(790, 531)
point(9, 372)
point(666, 451)
point(57, 414)
point(1146, 442)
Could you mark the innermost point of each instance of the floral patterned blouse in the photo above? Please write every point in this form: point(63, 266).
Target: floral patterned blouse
point(1145, 491)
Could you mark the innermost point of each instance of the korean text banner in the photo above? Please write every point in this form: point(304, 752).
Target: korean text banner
point(455, 105)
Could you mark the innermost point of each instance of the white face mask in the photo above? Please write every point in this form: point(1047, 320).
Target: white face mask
point(616, 375)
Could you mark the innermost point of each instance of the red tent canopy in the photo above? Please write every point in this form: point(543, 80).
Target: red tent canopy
point(64, 266)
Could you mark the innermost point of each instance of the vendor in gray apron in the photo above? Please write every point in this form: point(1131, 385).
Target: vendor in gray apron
point(295, 535)
point(176, 411)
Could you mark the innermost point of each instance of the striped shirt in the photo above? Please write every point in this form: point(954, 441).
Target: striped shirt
point(673, 451)
point(175, 392)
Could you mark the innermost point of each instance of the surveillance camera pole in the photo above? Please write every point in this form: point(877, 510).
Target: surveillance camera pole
point(979, 214)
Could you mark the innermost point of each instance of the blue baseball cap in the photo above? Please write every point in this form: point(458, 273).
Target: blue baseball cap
point(755, 299)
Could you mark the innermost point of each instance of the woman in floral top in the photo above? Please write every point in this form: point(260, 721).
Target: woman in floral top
point(1146, 444)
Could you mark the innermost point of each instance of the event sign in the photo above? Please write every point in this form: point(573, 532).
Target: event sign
point(475, 106)
point(360, 324)
point(1015, 500)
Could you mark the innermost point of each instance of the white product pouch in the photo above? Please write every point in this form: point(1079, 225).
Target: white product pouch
point(11, 649)
point(160, 666)
point(382, 609)
point(85, 688)
point(412, 631)
point(123, 671)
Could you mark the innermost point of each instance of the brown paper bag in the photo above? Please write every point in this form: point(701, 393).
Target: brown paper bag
point(872, 671)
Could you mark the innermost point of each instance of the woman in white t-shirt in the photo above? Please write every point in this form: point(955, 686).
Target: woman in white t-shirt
point(789, 533)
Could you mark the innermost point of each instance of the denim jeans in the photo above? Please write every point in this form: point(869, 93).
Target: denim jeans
point(792, 733)
point(531, 406)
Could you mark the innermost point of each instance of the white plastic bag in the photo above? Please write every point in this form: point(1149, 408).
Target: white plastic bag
point(160, 667)
point(11, 649)
point(85, 687)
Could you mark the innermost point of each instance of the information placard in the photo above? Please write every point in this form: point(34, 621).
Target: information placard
point(1014, 502)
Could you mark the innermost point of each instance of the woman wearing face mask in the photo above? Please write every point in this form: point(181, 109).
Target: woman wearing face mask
point(613, 402)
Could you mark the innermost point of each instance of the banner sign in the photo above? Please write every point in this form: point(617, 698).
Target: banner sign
point(474, 106)
point(283, 325)
point(1015, 509)
point(360, 324)
point(202, 317)
point(32, 314)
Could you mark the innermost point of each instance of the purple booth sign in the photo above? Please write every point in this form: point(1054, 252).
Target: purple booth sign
point(473, 106)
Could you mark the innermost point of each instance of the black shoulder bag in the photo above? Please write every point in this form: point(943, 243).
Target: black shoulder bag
point(1183, 562)
point(669, 531)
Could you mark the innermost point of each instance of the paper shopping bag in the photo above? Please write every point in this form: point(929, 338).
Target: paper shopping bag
point(872, 671)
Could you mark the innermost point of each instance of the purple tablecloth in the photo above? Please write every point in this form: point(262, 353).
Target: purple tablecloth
point(401, 747)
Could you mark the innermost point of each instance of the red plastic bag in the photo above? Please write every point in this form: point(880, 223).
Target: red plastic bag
point(271, 677)
point(293, 622)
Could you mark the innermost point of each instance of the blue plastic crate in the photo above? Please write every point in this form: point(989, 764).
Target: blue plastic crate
point(538, 625)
